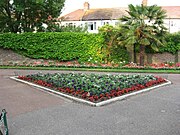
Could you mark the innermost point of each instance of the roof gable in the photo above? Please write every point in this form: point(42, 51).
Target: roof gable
point(112, 13)
point(73, 16)
point(172, 11)
point(104, 14)
point(98, 14)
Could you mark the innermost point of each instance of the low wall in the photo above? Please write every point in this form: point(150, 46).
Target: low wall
point(158, 57)
point(163, 57)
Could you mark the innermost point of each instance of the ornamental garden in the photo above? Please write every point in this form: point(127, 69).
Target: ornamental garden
point(94, 88)
point(79, 50)
point(114, 47)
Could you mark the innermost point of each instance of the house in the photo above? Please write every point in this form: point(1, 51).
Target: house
point(172, 22)
point(95, 18)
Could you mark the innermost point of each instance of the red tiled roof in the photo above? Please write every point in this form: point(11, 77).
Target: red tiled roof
point(73, 16)
point(172, 11)
point(98, 14)
point(112, 13)
point(104, 14)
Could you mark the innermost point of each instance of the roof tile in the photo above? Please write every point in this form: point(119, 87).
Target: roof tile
point(112, 13)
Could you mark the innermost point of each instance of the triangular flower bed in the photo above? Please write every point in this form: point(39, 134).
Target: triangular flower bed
point(93, 89)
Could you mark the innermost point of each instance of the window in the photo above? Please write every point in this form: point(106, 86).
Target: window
point(172, 24)
point(70, 24)
point(106, 23)
point(94, 25)
point(90, 26)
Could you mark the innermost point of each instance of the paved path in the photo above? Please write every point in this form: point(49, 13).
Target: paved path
point(33, 112)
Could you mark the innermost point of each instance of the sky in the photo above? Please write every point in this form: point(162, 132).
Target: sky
point(72, 5)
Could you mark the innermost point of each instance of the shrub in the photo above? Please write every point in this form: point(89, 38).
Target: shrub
point(115, 53)
point(64, 46)
point(68, 28)
point(119, 54)
point(172, 44)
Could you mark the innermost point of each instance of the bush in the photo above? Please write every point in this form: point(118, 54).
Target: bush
point(69, 28)
point(119, 54)
point(172, 44)
point(115, 53)
point(59, 46)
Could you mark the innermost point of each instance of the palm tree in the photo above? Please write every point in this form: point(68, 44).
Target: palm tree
point(143, 26)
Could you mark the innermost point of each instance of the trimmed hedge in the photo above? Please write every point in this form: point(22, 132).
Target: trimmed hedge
point(64, 46)
point(119, 54)
point(172, 44)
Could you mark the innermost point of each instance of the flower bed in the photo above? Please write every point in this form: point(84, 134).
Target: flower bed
point(167, 65)
point(93, 87)
point(76, 64)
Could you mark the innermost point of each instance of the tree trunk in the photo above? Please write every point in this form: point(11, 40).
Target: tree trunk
point(142, 53)
point(134, 53)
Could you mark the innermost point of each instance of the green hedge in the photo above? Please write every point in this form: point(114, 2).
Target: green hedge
point(172, 44)
point(119, 54)
point(64, 46)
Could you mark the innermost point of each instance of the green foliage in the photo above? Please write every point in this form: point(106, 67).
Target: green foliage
point(119, 54)
point(115, 53)
point(93, 83)
point(172, 44)
point(109, 32)
point(61, 46)
point(28, 15)
point(74, 29)
point(69, 28)
point(143, 26)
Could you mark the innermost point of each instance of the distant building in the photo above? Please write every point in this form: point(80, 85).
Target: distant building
point(95, 18)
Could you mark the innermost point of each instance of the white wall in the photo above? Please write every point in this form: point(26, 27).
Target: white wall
point(173, 25)
point(92, 25)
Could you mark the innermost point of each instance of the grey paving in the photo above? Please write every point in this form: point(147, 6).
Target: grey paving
point(33, 112)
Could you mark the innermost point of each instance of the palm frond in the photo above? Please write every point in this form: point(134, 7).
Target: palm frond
point(144, 26)
point(154, 47)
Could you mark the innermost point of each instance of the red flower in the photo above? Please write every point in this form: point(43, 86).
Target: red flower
point(108, 95)
point(101, 95)
point(95, 97)
point(84, 95)
point(123, 91)
point(126, 90)
point(91, 99)
point(119, 93)
point(102, 98)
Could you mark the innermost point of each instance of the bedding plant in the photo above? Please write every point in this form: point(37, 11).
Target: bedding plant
point(93, 87)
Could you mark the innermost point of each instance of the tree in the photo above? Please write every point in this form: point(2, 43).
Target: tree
point(143, 26)
point(110, 34)
point(114, 52)
point(28, 15)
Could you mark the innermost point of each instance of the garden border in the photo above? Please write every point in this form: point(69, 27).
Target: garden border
point(89, 102)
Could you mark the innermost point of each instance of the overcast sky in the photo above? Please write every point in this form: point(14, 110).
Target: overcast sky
point(71, 5)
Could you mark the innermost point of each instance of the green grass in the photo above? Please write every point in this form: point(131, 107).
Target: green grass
point(169, 71)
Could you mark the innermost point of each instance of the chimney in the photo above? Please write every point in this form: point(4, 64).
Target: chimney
point(144, 2)
point(86, 6)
